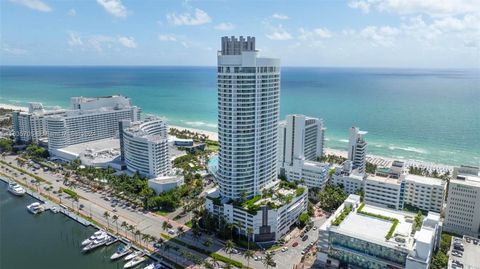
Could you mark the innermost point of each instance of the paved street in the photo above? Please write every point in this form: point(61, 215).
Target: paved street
point(149, 223)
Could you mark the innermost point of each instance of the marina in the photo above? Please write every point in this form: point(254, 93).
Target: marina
point(77, 241)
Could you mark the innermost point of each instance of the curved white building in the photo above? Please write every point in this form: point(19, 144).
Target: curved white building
point(144, 147)
point(248, 112)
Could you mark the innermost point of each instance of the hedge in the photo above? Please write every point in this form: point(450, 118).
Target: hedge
point(378, 216)
point(392, 229)
point(70, 192)
point(203, 251)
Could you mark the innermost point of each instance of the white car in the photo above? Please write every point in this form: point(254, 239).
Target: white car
point(171, 231)
point(284, 249)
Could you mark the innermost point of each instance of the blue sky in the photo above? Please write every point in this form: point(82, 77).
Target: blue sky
point(351, 33)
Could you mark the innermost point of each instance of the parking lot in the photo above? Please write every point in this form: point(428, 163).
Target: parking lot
point(464, 253)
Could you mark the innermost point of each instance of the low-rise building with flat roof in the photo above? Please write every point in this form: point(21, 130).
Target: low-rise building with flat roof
point(367, 236)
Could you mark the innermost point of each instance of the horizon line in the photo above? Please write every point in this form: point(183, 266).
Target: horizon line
point(285, 66)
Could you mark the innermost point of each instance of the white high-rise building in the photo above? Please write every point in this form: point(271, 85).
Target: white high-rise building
point(144, 147)
point(462, 215)
point(91, 119)
point(300, 137)
point(249, 193)
point(248, 112)
point(301, 141)
point(31, 125)
point(357, 149)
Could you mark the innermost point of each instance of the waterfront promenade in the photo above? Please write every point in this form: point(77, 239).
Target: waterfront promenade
point(94, 207)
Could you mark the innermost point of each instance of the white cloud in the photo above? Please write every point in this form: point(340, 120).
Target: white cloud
point(431, 7)
point(364, 6)
point(225, 26)
point(114, 7)
point(12, 50)
point(314, 34)
point(380, 36)
point(72, 12)
point(279, 16)
point(167, 37)
point(198, 18)
point(128, 42)
point(278, 33)
point(99, 42)
point(33, 4)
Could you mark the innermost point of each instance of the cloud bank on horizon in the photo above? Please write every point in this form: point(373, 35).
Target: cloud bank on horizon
point(351, 33)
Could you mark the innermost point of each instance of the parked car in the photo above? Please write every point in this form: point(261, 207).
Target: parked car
point(295, 244)
point(304, 238)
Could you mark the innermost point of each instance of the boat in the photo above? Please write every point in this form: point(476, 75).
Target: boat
point(97, 235)
point(35, 208)
point(16, 189)
point(134, 262)
point(121, 251)
point(54, 210)
point(96, 243)
point(153, 266)
point(133, 255)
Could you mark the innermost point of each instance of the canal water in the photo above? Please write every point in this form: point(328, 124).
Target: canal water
point(46, 240)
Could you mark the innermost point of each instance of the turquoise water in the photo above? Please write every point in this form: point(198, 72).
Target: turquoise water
point(45, 240)
point(429, 115)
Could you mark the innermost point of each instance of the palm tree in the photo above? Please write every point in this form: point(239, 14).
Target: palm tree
point(115, 219)
point(164, 225)
point(229, 246)
point(249, 235)
point(137, 233)
point(180, 230)
point(131, 228)
point(268, 261)
point(106, 215)
point(208, 265)
point(145, 238)
point(125, 226)
point(215, 262)
point(248, 255)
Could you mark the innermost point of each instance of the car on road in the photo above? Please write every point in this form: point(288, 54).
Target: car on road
point(295, 244)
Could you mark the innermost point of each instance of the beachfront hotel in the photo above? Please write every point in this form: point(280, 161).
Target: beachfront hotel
point(249, 193)
point(357, 149)
point(349, 179)
point(391, 188)
point(89, 120)
point(31, 126)
point(144, 149)
point(144, 146)
point(462, 215)
point(301, 141)
point(367, 236)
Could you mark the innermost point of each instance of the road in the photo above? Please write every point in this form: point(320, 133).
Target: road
point(94, 206)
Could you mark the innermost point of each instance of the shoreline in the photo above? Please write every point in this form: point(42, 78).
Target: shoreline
point(375, 159)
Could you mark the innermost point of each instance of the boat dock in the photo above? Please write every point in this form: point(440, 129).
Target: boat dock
point(55, 208)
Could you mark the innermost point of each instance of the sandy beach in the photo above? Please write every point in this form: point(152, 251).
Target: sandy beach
point(377, 160)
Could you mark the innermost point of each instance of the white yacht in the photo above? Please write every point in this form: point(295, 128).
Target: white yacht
point(121, 251)
point(16, 189)
point(134, 262)
point(133, 255)
point(96, 243)
point(97, 235)
point(153, 266)
point(35, 208)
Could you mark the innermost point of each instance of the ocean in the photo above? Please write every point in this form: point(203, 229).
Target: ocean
point(429, 115)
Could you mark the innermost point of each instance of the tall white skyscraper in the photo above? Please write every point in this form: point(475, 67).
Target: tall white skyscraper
point(300, 137)
point(248, 112)
point(357, 149)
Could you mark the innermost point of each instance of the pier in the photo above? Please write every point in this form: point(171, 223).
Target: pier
point(65, 210)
